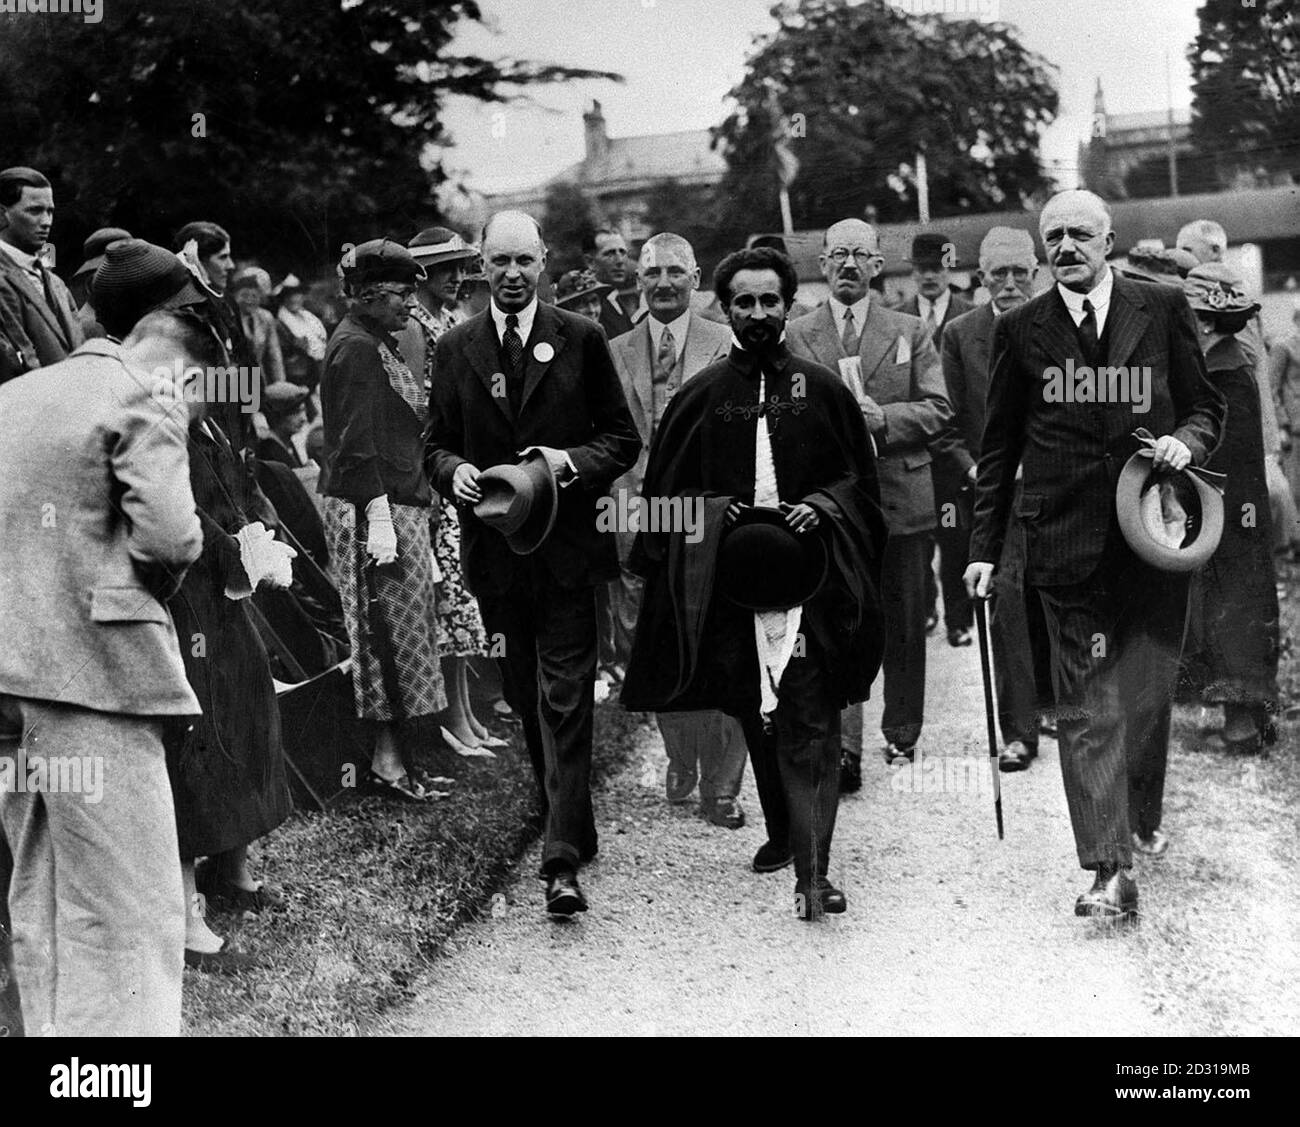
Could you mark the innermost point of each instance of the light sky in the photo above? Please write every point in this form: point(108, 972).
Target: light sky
point(680, 57)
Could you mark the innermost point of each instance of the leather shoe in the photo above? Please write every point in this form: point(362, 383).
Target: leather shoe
point(1113, 896)
point(896, 754)
point(959, 638)
point(771, 858)
point(1015, 757)
point(563, 894)
point(681, 781)
point(1154, 845)
point(850, 773)
point(724, 812)
point(224, 960)
point(821, 897)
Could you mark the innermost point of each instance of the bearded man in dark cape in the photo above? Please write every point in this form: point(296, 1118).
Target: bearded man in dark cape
point(759, 433)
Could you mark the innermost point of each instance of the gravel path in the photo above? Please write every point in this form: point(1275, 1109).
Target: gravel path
point(949, 931)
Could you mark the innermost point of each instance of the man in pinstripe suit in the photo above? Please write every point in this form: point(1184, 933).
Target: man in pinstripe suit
point(1115, 624)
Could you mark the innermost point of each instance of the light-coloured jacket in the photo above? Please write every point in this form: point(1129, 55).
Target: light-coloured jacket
point(97, 523)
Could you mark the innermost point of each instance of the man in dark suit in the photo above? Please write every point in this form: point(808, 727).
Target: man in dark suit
point(933, 256)
point(889, 362)
point(1115, 624)
point(37, 316)
point(1007, 269)
point(607, 258)
point(526, 376)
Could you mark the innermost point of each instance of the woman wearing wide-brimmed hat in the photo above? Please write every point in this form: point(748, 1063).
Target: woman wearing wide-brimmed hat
point(377, 502)
point(1237, 589)
point(445, 257)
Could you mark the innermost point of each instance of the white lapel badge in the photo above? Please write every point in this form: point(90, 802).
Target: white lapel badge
point(543, 353)
point(904, 355)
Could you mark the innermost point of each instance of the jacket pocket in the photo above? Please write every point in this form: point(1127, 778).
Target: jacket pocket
point(126, 604)
point(917, 458)
point(1029, 505)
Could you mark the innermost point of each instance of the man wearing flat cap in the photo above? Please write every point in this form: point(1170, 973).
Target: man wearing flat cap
point(767, 606)
point(520, 378)
point(91, 670)
point(1115, 623)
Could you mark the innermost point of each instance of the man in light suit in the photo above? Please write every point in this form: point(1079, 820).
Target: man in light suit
point(524, 375)
point(1008, 266)
point(1115, 623)
point(97, 526)
point(653, 360)
point(37, 315)
point(889, 361)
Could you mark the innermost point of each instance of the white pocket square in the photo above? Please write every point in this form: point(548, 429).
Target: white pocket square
point(904, 355)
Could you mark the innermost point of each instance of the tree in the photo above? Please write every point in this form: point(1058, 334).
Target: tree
point(861, 87)
point(568, 222)
point(1246, 87)
point(296, 124)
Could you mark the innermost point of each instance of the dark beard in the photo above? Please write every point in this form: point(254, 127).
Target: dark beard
point(760, 341)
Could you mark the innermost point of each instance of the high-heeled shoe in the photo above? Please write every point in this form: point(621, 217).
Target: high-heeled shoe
point(464, 749)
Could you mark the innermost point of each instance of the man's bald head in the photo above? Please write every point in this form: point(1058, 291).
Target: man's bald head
point(512, 225)
point(848, 232)
point(1077, 234)
point(1204, 240)
point(513, 256)
point(850, 259)
point(666, 243)
point(1076, 201)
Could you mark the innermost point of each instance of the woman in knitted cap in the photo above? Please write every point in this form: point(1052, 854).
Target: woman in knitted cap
point(1237, 589)
point(377, 502)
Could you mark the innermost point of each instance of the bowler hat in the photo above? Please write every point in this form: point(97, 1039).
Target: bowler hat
point(520, 501)
point(435, 245)
point(1139, 518)
point(136, 278)
point(929, 248)
point(763, 564)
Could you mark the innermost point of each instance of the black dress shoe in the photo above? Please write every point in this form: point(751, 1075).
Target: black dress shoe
point(1154, 844)
point(959, 638)
point(821, 897)
point(724, 812)
point(850, 773)
point(1015, 757)
point(1113, 896)
point(563, 894)
point(681, 781)
point(771, 858)
point(894, 753)
point(225, 960)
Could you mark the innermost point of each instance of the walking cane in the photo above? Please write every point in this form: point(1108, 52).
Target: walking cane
point(981, 620)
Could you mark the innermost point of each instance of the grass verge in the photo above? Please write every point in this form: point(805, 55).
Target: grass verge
point(373, 889)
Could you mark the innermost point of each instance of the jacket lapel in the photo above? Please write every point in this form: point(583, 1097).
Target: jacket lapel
point(37, 296)
point(486, 361)
point(826, 341)
point(699, 353)
point(878, 337)
point(636, 349)
point(1056, 333)
point(1126, 321)
point(548, 330)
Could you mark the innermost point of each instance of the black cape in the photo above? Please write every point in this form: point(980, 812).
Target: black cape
point(693, 648)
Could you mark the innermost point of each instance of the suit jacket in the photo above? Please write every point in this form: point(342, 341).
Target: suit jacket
point(965, 356)
point(41, 335)
point(706, 342)
point(571, 400)
point(1073, 452)
point(97, 524)
point(373, 441)
point(613, 319)
point(957, 305)
point(900, 371)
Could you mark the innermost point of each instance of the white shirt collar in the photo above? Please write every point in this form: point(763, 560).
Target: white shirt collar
point(859, 312)
point(25, 260)
point(1099, 295)
point(525, 315)
point(940, 305)
point(677, 326)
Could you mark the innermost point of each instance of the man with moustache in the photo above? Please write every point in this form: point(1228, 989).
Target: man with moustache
point(1115, 624)
point(889, 361)
point(37, 316)
point(606, 256)
point(654, 360)
point(1008, 266)
point(524, 377)
point(765, 435)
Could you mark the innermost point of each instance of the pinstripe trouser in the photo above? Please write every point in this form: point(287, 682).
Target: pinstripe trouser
point(1115, 642)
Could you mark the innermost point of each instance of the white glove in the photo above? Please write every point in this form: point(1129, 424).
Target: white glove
point(381, 537)
point(265, 559)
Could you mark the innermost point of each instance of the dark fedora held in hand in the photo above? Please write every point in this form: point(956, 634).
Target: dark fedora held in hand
point(764, 565)
point(520, 501)
point(1153, 514)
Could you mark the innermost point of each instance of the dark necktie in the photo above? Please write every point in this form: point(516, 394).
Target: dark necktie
point(54, 306)
point(849, 338)
point(513, 342)
point(1088, 332)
